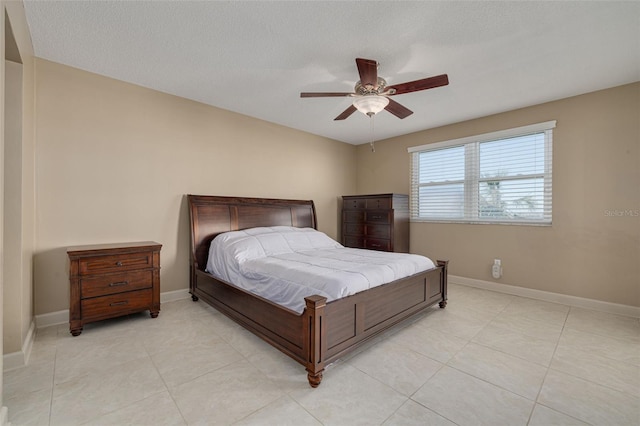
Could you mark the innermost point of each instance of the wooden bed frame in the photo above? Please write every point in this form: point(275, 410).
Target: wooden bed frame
point(325, 331)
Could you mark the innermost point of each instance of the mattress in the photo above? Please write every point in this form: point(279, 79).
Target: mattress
point(286, 264)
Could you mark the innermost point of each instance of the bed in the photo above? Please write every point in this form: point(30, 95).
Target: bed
point(325, 329)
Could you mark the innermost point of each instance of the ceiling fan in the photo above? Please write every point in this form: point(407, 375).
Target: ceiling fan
point(371, 92)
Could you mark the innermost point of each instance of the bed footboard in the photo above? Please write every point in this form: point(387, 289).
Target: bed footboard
point(336, 328)
point(324, 332)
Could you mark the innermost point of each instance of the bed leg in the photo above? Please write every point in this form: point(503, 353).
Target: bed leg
point(314, 338)
point(192, 281)
point(314, 379)
point(443, 282)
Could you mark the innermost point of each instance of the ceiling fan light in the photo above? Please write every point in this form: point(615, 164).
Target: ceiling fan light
point(370, 104)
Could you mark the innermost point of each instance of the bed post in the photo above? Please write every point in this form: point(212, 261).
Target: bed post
point(314, 338)
point(443, 281)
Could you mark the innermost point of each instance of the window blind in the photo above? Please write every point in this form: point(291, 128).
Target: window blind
point(500, 177)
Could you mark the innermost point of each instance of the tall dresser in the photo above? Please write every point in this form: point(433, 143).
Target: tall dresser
point(376, 222)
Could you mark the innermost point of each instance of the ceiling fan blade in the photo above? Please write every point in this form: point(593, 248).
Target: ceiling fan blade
point(368, 70)
point(398, 110)
point(424, 84)
point(346, 113)
point(324, 94)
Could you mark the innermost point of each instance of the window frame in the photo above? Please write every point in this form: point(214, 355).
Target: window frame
point(472, 176)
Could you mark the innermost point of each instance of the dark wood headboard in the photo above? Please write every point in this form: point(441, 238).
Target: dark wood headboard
point(211, 215)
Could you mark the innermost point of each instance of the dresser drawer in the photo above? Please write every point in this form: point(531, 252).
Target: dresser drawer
point(353, 216)
point(353, 242)
point(115, 263)
point(377, 244)
point(378, 216)
point(354, 203)
point(378, 231)
point(353, 229)
point(379, 203)
point(116, 304)
point(103, 285)
point(368, 203)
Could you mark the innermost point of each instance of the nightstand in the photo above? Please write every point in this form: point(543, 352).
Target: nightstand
point(111, 280)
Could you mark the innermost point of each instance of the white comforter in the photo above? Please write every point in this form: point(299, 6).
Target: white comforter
point(286, 264)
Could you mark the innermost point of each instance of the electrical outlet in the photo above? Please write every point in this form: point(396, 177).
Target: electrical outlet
point(496, 269)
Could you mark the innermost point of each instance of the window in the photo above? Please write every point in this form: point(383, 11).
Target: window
point(499, 177)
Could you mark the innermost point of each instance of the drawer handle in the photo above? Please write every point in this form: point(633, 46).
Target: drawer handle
point(118, 284)
point(119, 303)
point(118, 263)
point(376, 217)
point(376, 245)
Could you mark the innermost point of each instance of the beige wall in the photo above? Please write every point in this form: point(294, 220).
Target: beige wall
point(596, 168)
point(115, 160)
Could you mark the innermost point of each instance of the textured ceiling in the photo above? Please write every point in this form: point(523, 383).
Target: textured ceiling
point(256, 57)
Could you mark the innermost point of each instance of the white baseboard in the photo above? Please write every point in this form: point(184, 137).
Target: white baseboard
point(4, 417)
point(52, 318)
point(547, 296)
point(20, 358)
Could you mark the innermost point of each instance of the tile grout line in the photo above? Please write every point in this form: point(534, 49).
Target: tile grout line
point(165, 384)
point(544, 379)
point(621, 339)
point(53, 376)
point(482, 379)
point(446, 364)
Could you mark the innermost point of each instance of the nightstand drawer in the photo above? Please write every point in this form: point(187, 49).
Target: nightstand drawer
point(116, 304)
point(115, 283)
point(115, 263)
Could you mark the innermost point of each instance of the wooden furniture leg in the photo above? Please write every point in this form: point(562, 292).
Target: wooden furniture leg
point(315, 338)
point(443, 282)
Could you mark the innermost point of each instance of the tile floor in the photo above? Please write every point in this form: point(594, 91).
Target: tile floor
point(488, 358)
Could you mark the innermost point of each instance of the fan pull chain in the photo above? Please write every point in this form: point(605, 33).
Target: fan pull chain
point(373, 148)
